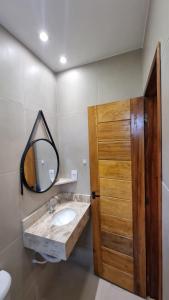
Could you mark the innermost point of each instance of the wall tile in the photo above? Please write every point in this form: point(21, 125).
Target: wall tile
point(39, 86)
point(119, 77)
point(31, 201)
point(77, 89)
point(26, 86)
point(73, 131)
point(73, 128)
point(12, 135)
point(11, 261)
point(10, 219)
point(27, 279)
point(11, 66)
point(53, 123)
point(80, 284)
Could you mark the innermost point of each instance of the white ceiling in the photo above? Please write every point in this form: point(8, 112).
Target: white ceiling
point(84, 30)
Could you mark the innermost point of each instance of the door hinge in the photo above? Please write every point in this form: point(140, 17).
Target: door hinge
point(93, 195)
point(145, 118)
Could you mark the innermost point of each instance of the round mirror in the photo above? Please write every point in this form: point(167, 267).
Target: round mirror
point(40, 166)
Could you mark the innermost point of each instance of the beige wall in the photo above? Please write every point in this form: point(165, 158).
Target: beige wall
point(105, 81)
point(26, 86)
point(158, 30)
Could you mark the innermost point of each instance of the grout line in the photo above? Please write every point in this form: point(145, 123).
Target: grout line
point(10, 245)
point(8, 172)
point(8, 99)
point(146, 24)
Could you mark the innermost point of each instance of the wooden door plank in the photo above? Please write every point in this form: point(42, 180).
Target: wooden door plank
point(116, 225)
point(138, 191)
point(115, 111)
point(120, 278)
point(93, 148)
point(117, 150)
point(116, 207)
point(154, 178)
point(116, 188)
point(159, 172)
point(119, 130)
point(118, 260)
point(93, 153)
point(115, 169)
point(117, 242)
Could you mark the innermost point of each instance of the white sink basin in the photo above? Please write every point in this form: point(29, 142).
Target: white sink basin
point(63, 217)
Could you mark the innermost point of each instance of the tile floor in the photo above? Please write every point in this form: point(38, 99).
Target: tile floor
point(73, 282)
point(108, 291)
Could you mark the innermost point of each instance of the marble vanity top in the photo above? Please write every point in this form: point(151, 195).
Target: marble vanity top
point(42, 236)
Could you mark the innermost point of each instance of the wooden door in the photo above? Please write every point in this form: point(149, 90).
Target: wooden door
point(116, 142)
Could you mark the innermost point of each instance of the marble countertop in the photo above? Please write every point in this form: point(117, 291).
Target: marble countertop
point(58, 241)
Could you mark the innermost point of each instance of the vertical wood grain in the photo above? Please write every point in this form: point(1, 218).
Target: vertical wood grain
point(138, 191)
point(153, 170)
point(159, 169)
point(94, 181)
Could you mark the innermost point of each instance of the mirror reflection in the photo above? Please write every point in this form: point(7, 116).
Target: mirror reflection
point(40, 166)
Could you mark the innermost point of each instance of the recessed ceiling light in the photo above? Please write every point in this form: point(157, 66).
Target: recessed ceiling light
point(63, 60)
point(43, 36)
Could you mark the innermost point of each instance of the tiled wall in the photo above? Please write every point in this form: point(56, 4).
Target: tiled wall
point(26, 86)
point(158, 30)
point(109, 80)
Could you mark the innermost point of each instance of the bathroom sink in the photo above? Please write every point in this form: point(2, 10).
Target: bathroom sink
point(55, 234)
point(63, 217)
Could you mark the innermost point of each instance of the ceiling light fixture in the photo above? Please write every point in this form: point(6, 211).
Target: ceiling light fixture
point(43, 36)
point(63, 60)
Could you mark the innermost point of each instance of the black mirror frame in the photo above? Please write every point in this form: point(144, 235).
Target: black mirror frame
point(23, 160)
point(28, 145)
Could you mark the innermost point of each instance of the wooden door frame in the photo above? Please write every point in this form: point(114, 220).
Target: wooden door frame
point(154, 204)
point(94, 183)
point(138, 195)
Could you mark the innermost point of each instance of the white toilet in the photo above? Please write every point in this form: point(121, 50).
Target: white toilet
point(5, 284)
